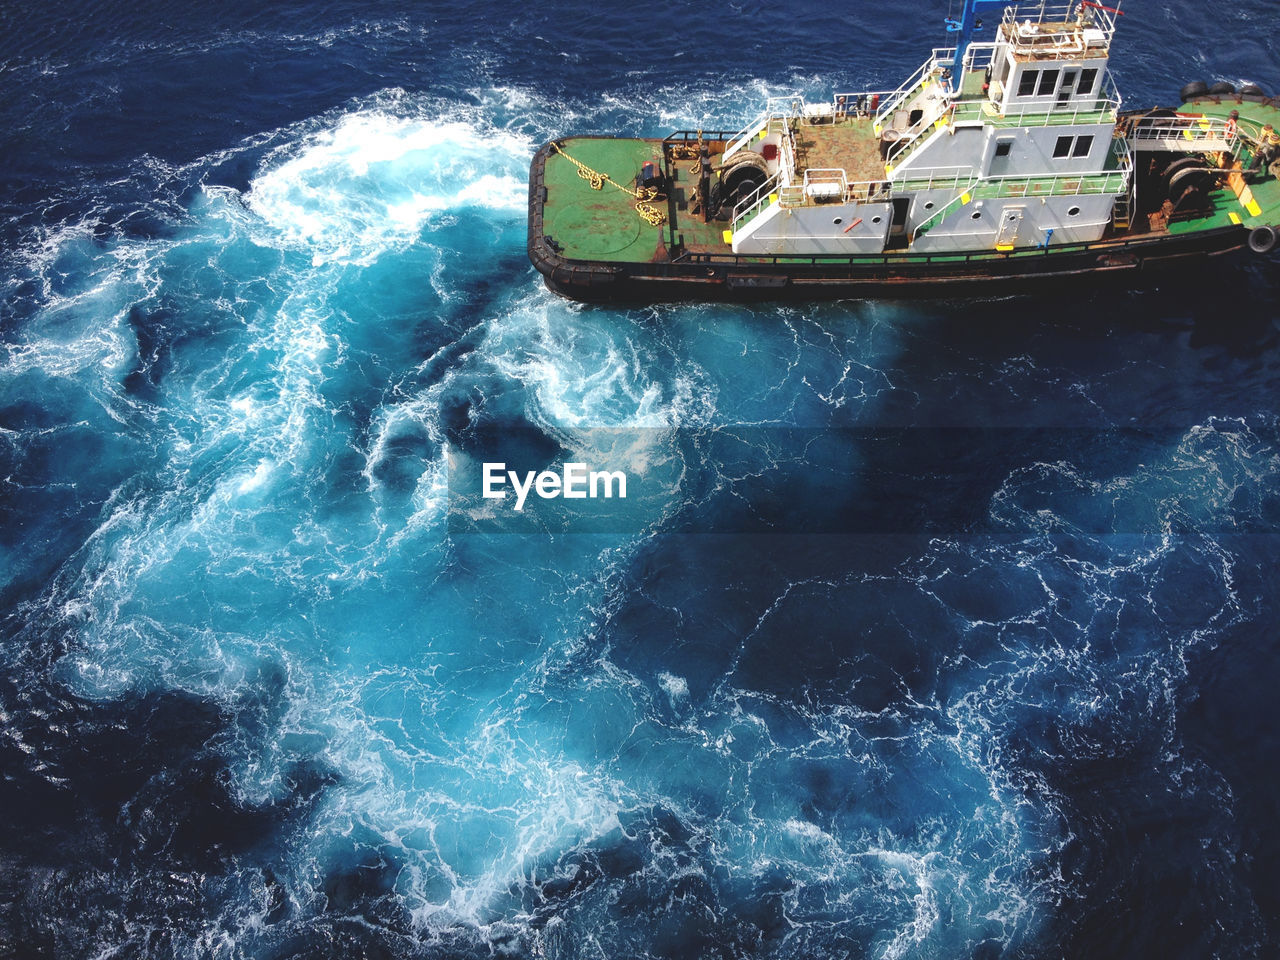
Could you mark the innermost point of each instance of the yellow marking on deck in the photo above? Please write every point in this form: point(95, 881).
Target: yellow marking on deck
point(1004, 247)
point(1234, 218)
point(1249, 203)
point(965, 198)
point(773, 198)
point(727, 236)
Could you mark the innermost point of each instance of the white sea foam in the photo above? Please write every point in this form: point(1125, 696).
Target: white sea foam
point(392, 673)
point(372, 182)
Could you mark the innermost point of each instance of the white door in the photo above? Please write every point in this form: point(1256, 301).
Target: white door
point(1010, 223)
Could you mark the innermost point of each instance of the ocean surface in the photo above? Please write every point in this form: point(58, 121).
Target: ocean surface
point(941, 630)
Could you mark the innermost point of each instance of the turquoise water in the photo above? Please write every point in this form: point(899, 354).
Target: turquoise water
point(936, 630)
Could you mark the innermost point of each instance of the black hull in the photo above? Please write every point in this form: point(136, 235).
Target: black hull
point(1127, 262)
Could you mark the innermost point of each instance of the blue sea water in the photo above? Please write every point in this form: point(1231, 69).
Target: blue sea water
point(951, 631)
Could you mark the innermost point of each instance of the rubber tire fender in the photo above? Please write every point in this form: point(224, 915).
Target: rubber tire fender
point(1253, 90)
point(1196, 88)
point(1222, 89)
point(1262, 239)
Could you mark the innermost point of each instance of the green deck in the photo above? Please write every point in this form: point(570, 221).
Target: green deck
point(603, 224)
point(1265, 189)
point(599, 224)
point(971, 88)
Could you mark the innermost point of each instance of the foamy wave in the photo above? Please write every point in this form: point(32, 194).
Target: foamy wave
point(372, 182)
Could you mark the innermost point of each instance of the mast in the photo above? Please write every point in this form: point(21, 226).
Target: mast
point(965, 28)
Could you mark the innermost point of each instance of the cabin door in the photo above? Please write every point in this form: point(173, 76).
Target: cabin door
point(1010, 224)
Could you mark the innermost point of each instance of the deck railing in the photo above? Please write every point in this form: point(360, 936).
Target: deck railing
point(1105, 104)
point(916, 82)
point(1203, 132)
point(1058, 28)
point(747, 208)
point(917, 133)
point(776, 108)
point(958, 199)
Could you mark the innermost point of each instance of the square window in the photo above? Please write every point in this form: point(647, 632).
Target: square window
point(1063, 147)
point(1087, 79)
point(1027, 86)
point(1083, 146)
point(1048, 83)
point(1003, 147)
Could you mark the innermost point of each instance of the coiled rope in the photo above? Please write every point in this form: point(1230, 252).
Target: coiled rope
point(687, 151)
point(645, 197)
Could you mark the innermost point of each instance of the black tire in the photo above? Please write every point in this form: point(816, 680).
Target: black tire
point(1196, 88)
point(1222, 89)
point(1252, 90)
point(1262, 239)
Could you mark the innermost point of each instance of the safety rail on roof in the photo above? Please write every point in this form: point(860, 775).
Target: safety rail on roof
point(1056, 30)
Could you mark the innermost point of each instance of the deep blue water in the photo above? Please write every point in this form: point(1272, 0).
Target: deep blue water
point(945, 630)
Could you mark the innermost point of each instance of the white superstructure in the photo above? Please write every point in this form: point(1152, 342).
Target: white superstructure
point(1013, 147)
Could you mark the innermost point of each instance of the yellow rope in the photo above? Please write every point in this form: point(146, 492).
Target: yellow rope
point(685, 151)
point(645, 197)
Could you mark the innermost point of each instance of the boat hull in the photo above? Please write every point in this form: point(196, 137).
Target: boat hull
point(1130, 261)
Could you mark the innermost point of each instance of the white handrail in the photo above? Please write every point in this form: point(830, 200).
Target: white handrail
point(794, 102)
point(1063, 20)
point(960, 195)
point(1107, 101)
point(909, 87)
point(749, 204)
point(1194, 129)
point(917, 133)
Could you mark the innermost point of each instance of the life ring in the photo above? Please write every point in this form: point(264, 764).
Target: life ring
point(1262, 239)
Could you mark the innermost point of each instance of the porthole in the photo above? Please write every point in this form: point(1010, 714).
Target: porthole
point(976, 215)
point(875, 219)
point(1073, 212)
point(838, 220)
point(929, 205)
point(1013, 217)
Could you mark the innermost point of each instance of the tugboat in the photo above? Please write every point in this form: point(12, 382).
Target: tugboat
point(997, 167)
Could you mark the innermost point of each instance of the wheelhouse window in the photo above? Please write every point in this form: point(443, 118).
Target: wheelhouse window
point(1027, 85)
point(1048, 83)
point(1087, 80)
point(1072, 147)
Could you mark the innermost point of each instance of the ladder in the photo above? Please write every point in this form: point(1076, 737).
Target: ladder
point(1122, 212)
